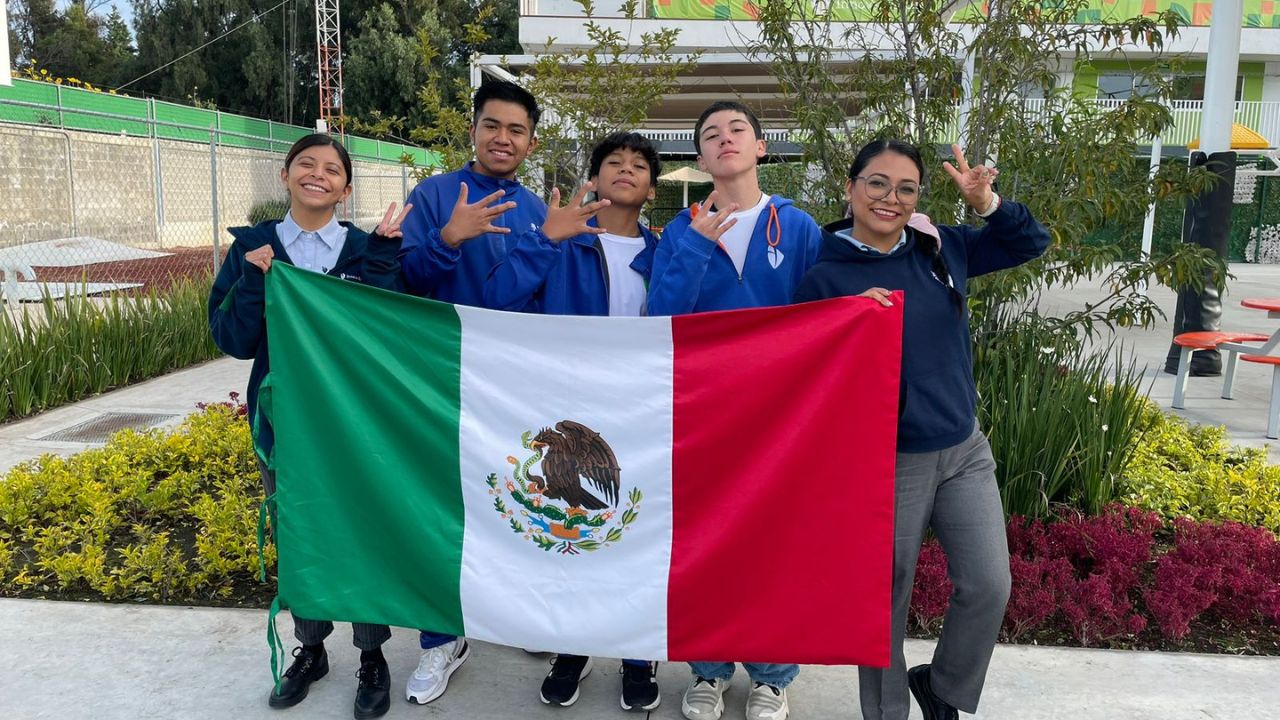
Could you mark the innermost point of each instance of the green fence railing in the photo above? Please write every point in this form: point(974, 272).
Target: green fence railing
point(38, 103)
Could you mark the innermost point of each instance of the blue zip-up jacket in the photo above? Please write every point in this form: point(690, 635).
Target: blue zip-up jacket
point(237, 303)
point(565, 278)
point(692, 273)
point(457, 275)
point(937, 397)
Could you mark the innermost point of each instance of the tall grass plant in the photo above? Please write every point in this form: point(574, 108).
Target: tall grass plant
point(78, 346)
point(1063, 420)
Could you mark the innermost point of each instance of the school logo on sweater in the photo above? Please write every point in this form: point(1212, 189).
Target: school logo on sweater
point(573, 506)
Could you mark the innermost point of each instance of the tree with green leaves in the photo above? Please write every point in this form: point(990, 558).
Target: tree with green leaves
point(1068, 159)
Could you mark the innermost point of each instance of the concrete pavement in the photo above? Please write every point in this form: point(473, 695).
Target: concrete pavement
point(64, 661)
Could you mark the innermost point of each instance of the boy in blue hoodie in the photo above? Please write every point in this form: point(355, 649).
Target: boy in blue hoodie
point(593, 258)
point(464, 224)
point(466, 220)
point(590, 259)
point(739, 249)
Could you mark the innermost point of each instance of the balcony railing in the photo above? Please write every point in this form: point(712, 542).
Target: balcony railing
point(1259, 116)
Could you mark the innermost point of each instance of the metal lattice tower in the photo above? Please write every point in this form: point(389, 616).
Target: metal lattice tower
point(329, 57)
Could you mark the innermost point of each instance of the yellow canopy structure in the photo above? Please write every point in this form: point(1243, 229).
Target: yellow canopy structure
point(1242, 138)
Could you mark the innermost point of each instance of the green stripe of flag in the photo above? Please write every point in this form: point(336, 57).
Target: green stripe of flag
point(372, 547)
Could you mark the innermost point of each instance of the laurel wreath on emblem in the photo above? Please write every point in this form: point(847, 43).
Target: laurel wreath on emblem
point(554, 513)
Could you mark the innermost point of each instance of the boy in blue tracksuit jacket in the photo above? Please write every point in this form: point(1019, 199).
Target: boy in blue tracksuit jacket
point(753, 251)
point(590, 259)
point(552, 272)
point(465, 222)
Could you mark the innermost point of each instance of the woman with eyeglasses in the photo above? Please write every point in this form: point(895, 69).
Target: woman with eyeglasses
point(945, 475)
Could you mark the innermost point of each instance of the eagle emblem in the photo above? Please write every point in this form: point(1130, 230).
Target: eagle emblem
point(576, 504)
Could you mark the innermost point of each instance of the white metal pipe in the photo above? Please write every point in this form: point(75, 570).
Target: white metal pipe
point(1220, 76)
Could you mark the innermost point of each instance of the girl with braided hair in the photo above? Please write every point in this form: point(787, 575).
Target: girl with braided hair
point(945, 475)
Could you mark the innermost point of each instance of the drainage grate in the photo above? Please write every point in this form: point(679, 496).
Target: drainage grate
point(102, 427)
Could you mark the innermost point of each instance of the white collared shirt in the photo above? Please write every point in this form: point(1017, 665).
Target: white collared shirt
point(315, 251)
point(848, 235)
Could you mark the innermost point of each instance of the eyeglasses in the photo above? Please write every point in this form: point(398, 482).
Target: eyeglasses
point(878, 188)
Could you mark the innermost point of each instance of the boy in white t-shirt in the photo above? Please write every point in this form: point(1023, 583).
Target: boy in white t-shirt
point(590, 259)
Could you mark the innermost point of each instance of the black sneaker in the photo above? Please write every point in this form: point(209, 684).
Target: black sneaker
point(931, 706)
point(373, 694)
point(640, 686)
point(561, 685)
point(307, 668)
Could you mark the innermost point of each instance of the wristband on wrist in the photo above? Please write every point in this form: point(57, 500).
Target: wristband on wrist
point(995, 205)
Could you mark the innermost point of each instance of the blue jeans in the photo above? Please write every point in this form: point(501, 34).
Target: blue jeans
point(429, 639)
point(776, 674)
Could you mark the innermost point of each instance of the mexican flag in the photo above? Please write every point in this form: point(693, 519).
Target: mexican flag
point(706, 487)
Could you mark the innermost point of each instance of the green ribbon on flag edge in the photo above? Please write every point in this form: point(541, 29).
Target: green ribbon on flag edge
point(267, 512)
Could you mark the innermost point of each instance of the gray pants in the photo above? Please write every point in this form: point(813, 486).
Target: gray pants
point(313, 632)
point(954, 492)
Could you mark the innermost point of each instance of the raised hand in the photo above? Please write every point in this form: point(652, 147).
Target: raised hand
point(260, 257)
point(974, 182)
point(712, 225)
point(390, 226)
point(563, 223)
point(473, 220)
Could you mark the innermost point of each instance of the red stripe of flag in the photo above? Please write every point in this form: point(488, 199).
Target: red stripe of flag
point(794, 409)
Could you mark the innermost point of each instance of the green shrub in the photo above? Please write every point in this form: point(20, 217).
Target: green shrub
point(168, 516)
point(267, 210)
point(82, 346)
point(1062, 421)
point(1184, 470)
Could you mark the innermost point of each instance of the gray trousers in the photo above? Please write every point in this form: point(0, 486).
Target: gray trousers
point(952, 491)
point(313, 632)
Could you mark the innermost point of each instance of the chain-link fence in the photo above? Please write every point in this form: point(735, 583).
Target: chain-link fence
point(124, 212)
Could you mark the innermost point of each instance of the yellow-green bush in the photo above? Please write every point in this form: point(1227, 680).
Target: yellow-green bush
point(1184, 470)
point(168, 516)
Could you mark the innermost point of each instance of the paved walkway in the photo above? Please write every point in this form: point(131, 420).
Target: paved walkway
point(87, 660)
point(131, 662)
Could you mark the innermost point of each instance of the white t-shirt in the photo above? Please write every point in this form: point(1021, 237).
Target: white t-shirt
point(736, 239)
point(626, 286)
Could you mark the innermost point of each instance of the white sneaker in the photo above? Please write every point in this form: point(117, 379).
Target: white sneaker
point(430, 680)
point(704, 699)
point(767, 702)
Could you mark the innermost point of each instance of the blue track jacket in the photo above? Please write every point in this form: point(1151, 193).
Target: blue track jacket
point(433, 269)
point(566, 278)
point(691, 273)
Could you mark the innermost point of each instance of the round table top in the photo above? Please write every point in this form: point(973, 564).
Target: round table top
point(1269, 304)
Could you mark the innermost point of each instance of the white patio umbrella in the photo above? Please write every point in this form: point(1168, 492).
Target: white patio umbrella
point(686, 175)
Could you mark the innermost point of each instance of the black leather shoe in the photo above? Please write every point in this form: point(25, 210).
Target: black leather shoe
point(307, 668)
point(373, 696)
point(931, 706)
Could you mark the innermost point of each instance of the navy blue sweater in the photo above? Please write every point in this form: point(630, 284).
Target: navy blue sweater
point(237, 303)
point(938, 399)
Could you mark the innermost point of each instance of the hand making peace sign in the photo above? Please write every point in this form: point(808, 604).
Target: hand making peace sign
point(974, 182)
point(390, 227)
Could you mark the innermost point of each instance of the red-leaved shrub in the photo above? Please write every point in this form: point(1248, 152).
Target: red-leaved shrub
point(1102, 577)
point(1226, 571)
